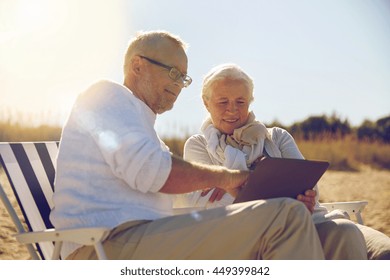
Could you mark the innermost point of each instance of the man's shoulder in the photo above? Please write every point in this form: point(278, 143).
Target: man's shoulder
point(105, 91)
point(105, 86)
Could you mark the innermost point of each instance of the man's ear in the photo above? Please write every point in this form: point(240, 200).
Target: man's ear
point(136, 65)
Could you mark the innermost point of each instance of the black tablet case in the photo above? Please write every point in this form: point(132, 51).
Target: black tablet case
point(281, 177)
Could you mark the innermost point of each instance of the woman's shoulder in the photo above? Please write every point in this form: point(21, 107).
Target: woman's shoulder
point(195, 148)
point(196, 139)
point(276, 131)
point(279, 135)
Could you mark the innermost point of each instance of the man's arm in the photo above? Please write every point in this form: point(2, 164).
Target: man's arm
point(188, 177)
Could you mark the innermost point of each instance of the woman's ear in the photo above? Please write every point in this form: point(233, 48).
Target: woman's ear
point(206, 104)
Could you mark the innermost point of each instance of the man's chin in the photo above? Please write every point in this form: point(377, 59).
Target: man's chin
point(164, 109)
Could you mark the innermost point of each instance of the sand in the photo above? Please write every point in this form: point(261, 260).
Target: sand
point(368, 184)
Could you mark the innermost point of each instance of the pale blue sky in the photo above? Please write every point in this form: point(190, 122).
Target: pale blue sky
point(307, 57)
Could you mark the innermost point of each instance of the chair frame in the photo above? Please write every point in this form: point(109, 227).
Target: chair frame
point(351, 207)
point(41, 239)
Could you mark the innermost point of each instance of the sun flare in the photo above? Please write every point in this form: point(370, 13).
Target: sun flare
point(32, 14)
point(23, 17)
point(51, 50)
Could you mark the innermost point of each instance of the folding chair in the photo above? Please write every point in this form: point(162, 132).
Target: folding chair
point(30, 169)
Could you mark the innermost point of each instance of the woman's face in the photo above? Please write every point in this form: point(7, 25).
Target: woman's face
point(228, 104)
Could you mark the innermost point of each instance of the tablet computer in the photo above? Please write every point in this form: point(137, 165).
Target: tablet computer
point(281, 177)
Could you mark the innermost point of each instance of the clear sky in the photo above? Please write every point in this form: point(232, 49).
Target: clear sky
point(307, 57)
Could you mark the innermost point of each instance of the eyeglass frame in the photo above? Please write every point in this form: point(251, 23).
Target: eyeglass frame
point(187, 80)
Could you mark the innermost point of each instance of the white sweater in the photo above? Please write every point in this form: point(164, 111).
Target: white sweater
point(195, 149)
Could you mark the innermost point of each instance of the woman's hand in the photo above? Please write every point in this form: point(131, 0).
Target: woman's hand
point(309, 199)
point(255, 162)
point(216, 195)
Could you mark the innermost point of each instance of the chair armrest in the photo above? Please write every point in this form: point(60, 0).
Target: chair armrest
point(83, 236)
point(351, 207)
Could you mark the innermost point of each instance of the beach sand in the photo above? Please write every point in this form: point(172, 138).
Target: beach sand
point(368, 184)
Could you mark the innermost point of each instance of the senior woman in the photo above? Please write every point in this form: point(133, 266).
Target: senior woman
point(232, 137)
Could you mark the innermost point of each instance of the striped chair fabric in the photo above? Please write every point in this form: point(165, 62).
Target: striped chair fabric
point(30, 168)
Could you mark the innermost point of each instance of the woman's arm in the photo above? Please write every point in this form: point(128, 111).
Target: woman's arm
point(289, 149)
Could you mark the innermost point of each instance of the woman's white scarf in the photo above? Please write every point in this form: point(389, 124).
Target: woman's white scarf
point(242, 148)
point(236, 151)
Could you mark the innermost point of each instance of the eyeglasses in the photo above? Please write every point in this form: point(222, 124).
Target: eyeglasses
point(174, 74)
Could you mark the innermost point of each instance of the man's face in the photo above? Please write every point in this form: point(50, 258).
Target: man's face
point(228, 104)
point(158, 90)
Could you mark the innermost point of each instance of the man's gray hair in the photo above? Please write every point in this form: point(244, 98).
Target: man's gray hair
point(143, 41)
point(228, 71)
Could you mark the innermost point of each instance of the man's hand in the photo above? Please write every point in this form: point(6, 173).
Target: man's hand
point(309, 199)
point(236, 180)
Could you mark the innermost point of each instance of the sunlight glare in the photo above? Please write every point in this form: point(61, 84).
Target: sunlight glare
point(51, 50)
point(22, 17)
point(32, 14)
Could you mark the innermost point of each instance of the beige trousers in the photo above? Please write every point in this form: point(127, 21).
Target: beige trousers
point(273, 229)
point(341, 239)
point(378, 244)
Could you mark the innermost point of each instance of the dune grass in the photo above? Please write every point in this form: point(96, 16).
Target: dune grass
point(347, 154)
point(344, 153)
